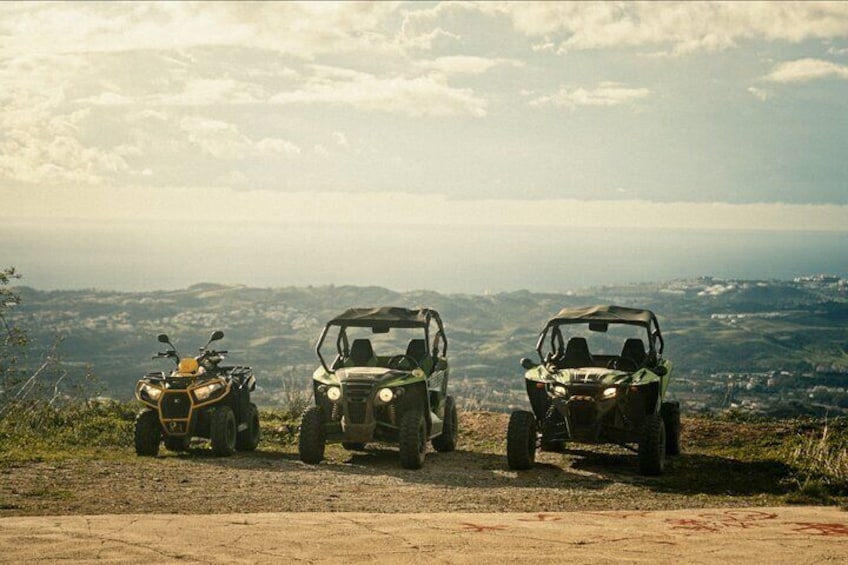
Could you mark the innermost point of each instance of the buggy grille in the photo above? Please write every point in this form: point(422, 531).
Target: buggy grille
point(356, 396)
point(582, 414)
point(175, 405)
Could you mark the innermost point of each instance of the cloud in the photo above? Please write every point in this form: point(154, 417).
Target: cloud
point(805, 70)
point(465, 64)
point(758, 93)
point(605, 94)
point(422, 96)
point(223, 140)
point(683, 27)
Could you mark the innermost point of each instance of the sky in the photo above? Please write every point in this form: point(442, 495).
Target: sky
point(683, 115)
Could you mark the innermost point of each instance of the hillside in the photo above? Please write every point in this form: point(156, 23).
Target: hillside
point(776, 345)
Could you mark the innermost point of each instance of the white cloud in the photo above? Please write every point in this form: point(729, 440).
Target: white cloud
point(340, 138)
point(684, 27)
point(605, 94)
point(422, 96)
point(758, 93)
point(804, 70)
point(465, 64)
point(223, 140)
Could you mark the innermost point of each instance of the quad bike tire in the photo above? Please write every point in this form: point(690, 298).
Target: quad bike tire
point(446, 441)
point(670, 412)
point(223, 431)
point(248, 439)
point(652, 446)
point(353, 445)
point(521, 440)
point(148, 433)
point(412, 437)
point(177, 444)
point(312, 439)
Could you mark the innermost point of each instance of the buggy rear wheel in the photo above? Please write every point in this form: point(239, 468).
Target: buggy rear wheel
point(652, 446)
point(446, 441)
point(521, 440)
point(412, 437)
point(148, 433)
point(223, 431)
point(248, 439)
point(311, 441)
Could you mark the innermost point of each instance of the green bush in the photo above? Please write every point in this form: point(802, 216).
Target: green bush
point(821, 462)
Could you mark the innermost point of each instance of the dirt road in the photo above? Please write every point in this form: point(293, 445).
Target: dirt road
point(790, 535)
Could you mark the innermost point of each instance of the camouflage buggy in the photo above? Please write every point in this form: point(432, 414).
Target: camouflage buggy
point(579, 394)
point(362, 396)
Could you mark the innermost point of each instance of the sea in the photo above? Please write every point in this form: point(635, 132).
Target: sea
point(157, 255)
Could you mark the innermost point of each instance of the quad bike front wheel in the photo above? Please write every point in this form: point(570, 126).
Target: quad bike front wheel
point(670, 412)
point(652, 446)
point(412, 437)
point(248, 439)
point(446, 441)
point(312, 438)
point(148, 433)
point(521, 440)
point(223, 431)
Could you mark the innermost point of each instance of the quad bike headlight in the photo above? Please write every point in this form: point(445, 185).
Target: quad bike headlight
point(334, 393)
point(203, 393)
point(150, 393)
point(610, 392)
point(385, 395)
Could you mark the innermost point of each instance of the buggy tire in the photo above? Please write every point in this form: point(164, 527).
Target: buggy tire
point(521, 440)
point(652, 448)
point(353, 445)
point(223, 431)
point(248, 439)
point(670, 412)
point(177, 443)
point(148, 433)
point(312, 439)
point(446, 441)
point(412, 439)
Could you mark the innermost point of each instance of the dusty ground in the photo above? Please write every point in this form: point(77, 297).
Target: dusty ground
point(474, 478)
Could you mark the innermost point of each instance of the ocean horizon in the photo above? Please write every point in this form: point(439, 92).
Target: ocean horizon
point(157, 255)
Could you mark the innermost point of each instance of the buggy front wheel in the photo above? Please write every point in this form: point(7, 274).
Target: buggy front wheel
point(521, 440)
point(310, 443)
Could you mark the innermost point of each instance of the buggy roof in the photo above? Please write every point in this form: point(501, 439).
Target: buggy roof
point(601, 313)
point(390, 316)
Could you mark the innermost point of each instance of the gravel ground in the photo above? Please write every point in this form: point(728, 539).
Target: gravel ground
point(474, 478)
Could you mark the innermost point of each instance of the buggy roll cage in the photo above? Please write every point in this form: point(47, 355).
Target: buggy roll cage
point(600, 317)
point(382, 320)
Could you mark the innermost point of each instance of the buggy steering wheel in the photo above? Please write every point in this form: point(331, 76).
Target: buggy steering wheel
point(623, 364)
point(396, 361)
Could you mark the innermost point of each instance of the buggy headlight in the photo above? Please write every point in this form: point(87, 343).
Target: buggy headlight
point(150, 393)
point(203, 393)
point(385, 395)
point(610, 392)
point(334, 393)
point(559, 390)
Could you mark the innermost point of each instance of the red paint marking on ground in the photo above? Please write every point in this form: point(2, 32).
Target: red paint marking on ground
point(468, 527)
point(823, 528)
point(541, 518)
point(716, 521)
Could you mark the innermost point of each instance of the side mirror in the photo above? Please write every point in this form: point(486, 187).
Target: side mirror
point(163, 338)
point(528, 364)
point(216, 335)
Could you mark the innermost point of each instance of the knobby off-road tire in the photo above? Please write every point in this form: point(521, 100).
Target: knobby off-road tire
point(652, 446)
point(223, 431)
point(248, 439)
point(671, 416)
point(177, 443)
point(148, 433)
point(311, 441)
point(446, 441)
point(412, 439)
point(521, 440)
point(353, 445)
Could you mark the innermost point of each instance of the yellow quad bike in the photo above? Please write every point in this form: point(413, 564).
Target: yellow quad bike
point(200, 398)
